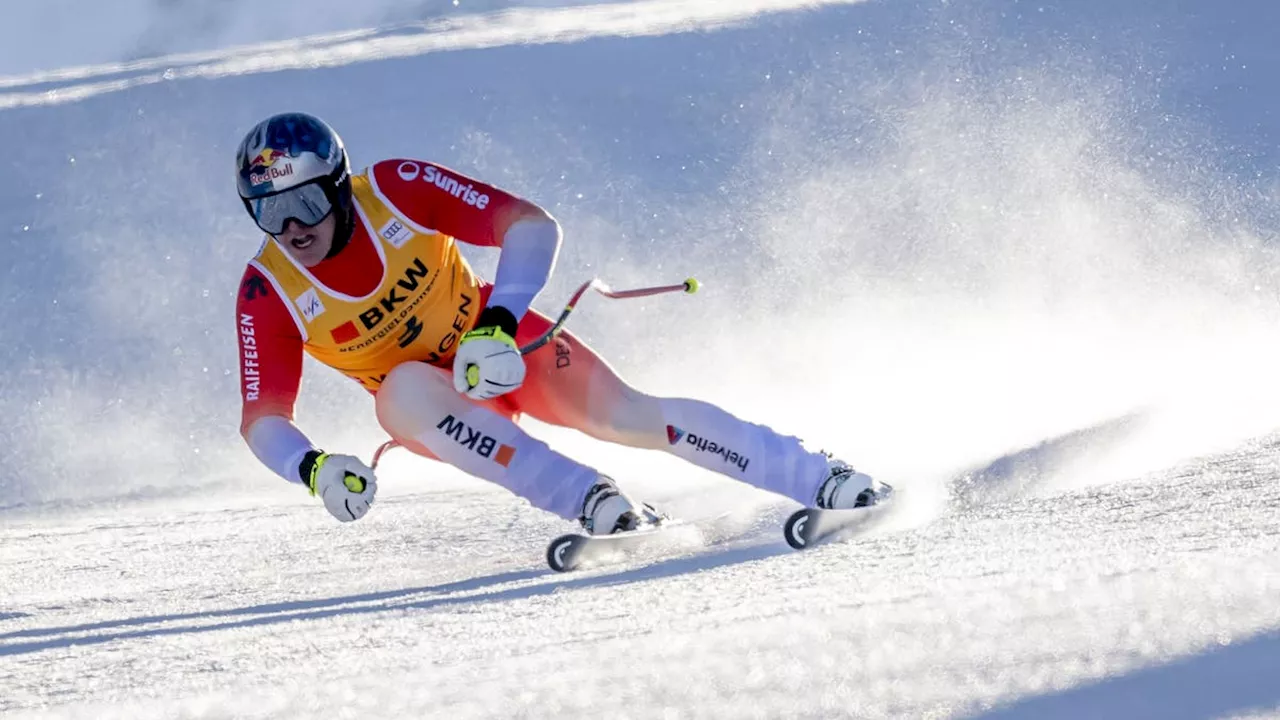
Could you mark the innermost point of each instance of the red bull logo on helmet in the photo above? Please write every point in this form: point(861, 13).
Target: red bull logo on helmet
point(266, 158)
point(270, 174)
point(263, 169)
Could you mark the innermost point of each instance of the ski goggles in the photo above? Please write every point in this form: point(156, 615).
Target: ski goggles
point(308, 204)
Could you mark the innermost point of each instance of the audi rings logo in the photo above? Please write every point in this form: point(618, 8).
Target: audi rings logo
point(409, 171)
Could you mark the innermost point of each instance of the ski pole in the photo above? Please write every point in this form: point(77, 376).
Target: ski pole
point(377, 454)
point(689, 286)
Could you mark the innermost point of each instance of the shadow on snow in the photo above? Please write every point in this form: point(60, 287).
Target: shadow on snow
point(485, 589)
point(1238, 678)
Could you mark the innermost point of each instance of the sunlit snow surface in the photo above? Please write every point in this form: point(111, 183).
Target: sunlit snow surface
point(1014, 258)
point(1154, 599)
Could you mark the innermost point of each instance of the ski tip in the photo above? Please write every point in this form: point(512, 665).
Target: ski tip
point(796, 530)
point(561, 556)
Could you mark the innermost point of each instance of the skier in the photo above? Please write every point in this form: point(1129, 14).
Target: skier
point(363, 273)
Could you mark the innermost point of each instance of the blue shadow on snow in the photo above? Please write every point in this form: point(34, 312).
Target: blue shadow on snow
point(1238, 678)
point(386, 601)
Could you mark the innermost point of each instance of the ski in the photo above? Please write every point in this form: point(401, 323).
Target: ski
point(812, 526)
point(578, 551)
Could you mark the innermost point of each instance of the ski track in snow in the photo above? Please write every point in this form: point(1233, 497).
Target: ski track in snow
point(1108, 599)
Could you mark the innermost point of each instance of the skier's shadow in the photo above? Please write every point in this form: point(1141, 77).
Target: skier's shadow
point(488, 589)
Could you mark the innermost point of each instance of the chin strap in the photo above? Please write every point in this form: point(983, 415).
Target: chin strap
point(342, 231)
point(344, 205)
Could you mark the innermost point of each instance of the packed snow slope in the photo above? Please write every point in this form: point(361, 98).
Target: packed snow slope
point(1017, 259)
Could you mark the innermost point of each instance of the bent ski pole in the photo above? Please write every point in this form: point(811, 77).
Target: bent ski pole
point(689, 286)
point(377, 454)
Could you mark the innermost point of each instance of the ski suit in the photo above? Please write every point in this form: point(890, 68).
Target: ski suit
point(388, 311)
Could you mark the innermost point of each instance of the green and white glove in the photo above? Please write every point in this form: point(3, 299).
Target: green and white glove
point(343, 482)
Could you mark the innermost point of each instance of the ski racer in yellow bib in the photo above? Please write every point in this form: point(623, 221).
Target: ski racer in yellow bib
point(363, 273)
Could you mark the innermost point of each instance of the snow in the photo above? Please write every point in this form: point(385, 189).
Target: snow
point(1060, 607)
point(1014, 258)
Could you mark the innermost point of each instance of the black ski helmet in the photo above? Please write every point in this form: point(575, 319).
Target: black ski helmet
point(277, 162)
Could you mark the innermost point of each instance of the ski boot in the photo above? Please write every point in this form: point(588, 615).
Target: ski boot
point(607, 510)
point(846, 488)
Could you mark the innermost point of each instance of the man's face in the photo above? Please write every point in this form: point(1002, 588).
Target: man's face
point(308, 244)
